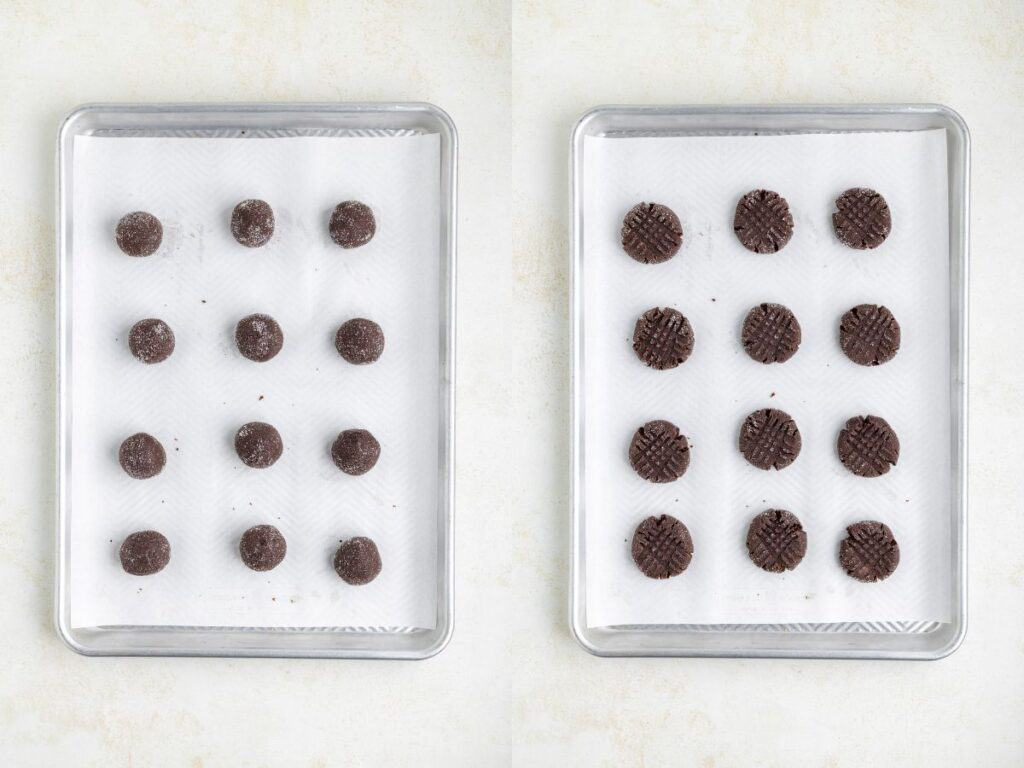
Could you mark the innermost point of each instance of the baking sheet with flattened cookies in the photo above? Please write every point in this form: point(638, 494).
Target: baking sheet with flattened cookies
point(714, 281)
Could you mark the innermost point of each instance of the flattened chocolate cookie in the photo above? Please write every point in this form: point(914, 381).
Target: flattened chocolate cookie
point(659, 452)
point(662, 547)
point(359, 341)
point(771, 333)
point(258, 444)
point(252, 223)
point(868, 446)
point(151, 340)
point(763, 222)
point(259, 337)
point(862, 218)
point(355, 451)
point(144, 553)
point(663, 338)
point(769, 439)
point(776, 541)
point(869, 334)
point(357, 561)
point(139, 233)
point(141, 456)
point(869, 552)
point(651, 233)
point(262, 547)
point(352, 224)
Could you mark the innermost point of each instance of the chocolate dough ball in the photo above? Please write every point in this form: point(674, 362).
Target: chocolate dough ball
point(355, 451)
point(139, 233)
point(258, 445)
point(145, 553)
point(259, 337)
point(360, 341)
point(352, 224)
point(262, 547)
point(151, 340)
point(142, 456)
point(357, 561)
point(252, 223)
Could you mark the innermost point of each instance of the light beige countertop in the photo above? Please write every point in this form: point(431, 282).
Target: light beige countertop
point(513, 687)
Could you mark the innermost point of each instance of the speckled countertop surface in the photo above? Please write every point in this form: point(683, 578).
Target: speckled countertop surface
point(513, 688)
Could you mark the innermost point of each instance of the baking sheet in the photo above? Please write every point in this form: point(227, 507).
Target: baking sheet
point(714, 281)
point(201, 282)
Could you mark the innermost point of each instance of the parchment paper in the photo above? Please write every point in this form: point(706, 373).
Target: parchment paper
point(202, 282)
point(714, 281)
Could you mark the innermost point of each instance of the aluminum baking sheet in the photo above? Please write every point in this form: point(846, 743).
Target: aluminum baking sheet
point(200, 154)
point(942, 580)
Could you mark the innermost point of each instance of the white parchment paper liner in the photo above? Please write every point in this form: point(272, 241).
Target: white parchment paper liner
point(714, 281)
point(202, 282)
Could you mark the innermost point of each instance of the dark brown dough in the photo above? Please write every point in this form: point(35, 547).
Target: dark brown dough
point(662, 547)
point(258, 444)
point(139, 233)
point(355, 451)
point(663, 338)
point(151, 340)
point(869, 552)
point(252, 223)
point(776, 541)
point(262, 547)
point(651, 233)
point(259, 337)
point(144, 553)
point(769, 439)
point(771, 333)
point(763, 222)
point(352, 224)
point(142, 456)
point(869, 334)
point(357, 561)
point(868, 446)
point(359, 341)
point(659, 452)
point(862, 218)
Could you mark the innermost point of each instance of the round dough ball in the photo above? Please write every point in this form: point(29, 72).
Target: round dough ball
point(139, 233)
point(352, 224)
point(252, 223)
point(151, 340)
point(144, 553)
point(258, 444)
point(357, 561)
point(262, 547)
point(142, 456)
point(259, 337)
point(360, 341)
point(355, 451)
